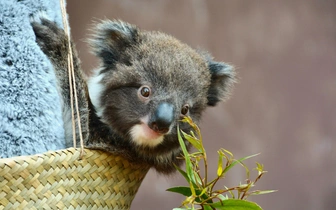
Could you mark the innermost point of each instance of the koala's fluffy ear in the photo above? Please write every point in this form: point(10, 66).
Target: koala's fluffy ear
point(222, 80)
point(111, 38)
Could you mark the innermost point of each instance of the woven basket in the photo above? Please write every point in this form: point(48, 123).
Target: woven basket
point(59, 180)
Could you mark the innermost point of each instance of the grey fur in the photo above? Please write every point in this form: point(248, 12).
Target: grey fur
point(30, 108)
point(132, 58)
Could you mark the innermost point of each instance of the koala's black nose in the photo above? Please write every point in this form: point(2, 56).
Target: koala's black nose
point(162, 118)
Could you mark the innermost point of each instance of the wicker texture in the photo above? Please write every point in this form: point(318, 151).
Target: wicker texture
point(59, 180)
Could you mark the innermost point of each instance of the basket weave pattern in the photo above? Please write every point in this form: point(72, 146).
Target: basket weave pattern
point(59, 180)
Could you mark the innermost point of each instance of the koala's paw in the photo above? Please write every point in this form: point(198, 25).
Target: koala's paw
point(51, 38)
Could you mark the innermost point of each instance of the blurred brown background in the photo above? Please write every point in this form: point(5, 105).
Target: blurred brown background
point(284, 105)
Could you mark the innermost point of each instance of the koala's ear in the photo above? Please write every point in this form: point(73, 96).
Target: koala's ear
point(111, 38)
point(222, 80)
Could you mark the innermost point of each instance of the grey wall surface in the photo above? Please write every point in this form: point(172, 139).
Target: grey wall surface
point(284, 105)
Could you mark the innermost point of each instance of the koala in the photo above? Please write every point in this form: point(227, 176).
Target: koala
point(146, 82)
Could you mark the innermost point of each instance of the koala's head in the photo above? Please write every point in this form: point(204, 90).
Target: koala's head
point(147, 82)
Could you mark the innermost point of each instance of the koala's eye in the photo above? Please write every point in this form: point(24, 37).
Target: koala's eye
point(144, 91)
point(185, 109)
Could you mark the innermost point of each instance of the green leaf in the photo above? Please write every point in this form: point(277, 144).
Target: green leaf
point(186, 191)
point(187, 119)
point(184, 174)
point(227, 151)
point(220, 164)
point(246, 169)
point(207, 208)
point(192, 188)
point(260, 168)
point(261, 192)
point(181, 190)
point(203, 191)
point(231, 193)
point(198, 179)
point(189, 166)
point(222, 197)
point(232, 204)
point(194, 141)
point(239, 161)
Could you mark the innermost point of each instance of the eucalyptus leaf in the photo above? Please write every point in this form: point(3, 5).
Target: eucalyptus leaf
point(261, 192)
point(238, 161)
point(184, 174)
point(233, 204)
point(227, 151)
point(186, 191)
point(189, 166)
point(194, 141)
point(220, 165)
point(181, 190)
point(222, 197)
point(207, 207)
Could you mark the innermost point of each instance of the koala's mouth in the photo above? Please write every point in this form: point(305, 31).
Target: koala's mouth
point(143, 135)
point(150, 133)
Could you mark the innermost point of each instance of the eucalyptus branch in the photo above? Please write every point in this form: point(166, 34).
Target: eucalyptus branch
point(200, 192)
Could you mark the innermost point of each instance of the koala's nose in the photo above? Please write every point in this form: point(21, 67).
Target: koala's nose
point(162, 118)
